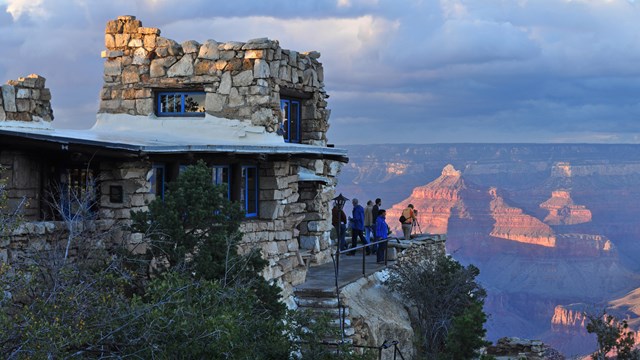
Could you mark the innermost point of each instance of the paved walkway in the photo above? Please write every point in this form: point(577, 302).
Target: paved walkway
point(323, 277)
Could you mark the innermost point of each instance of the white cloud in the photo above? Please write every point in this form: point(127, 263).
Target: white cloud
point(33, 8)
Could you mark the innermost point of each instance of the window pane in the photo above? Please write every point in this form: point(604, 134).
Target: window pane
point(164, 103)
point(294, 120)
point(181, 103)
point(249, 190)
point(78, 192)
point(221, 177)
point(284, 106)
point(173, 104)
point(194, 103)
point(157, 181)
point(252, 191)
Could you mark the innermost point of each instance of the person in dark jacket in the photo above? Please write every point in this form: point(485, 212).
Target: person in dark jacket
point(374, 213)
point(339, 221)
point(357, 226)
point(382, 231)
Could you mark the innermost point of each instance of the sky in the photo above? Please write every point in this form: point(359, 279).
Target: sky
point(397, 71)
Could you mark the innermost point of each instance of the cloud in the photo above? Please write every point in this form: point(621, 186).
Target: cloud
point(449, 70)
point(31, 7)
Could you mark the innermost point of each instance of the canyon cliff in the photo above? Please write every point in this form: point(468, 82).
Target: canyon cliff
point(562, 211)
point(548, 225)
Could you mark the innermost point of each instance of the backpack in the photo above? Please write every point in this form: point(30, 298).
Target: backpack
point(402, 219)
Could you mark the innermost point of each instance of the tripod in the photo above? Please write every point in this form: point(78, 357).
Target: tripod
point(416, 222)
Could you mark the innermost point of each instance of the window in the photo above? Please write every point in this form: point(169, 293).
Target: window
point(290, 125)
point(181, 103)
point(221, 176)
point(72, 193)
point(157, 180)
point(249, 190)
point(116, 194)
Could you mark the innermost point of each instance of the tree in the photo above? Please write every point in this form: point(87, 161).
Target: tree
point(195, 229)
point(448, 302)
point(612, 335)
point(467, 333)
point(205, 300)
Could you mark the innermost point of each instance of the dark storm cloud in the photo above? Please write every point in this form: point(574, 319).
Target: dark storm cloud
point(397, 71)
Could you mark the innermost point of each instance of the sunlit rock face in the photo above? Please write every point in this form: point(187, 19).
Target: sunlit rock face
point(593, 260)
point(512, 224)
point(435, 203)
point(570, 318)
point(562, 210)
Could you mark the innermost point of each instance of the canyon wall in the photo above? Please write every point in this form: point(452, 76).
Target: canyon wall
point(548, 225)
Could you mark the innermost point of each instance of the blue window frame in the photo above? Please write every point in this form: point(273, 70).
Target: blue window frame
point(181, 103)
point(290, 125)
point(249, 190)
point(221, 175)
point(157, 180)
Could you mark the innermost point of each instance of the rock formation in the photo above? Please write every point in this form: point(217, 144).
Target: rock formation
point(588, 260)
point(562, 210)
point(512, 224)
point(570, 318)
point(434, 202)
point(523, 349)
point(585, 245)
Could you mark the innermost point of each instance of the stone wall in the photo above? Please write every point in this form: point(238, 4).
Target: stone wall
point(288, 208)
point(316, 228)
point(26, 99)
point(21, 176)
point(242, 80)
point(33, 240)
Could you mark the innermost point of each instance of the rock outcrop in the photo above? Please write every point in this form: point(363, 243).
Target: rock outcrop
point(436, 203)
point(562, 210)
point(516, 348)
point(512, 224)
point(570, 318)
point(585, 245)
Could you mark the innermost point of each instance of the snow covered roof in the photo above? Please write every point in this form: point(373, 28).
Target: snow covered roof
point(150, 134)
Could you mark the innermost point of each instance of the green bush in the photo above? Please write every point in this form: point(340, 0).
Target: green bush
point(448, 302)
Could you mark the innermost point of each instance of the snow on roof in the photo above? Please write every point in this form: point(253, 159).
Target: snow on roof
point(153, 134)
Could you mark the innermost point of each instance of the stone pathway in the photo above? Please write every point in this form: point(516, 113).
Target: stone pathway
point(322, 278)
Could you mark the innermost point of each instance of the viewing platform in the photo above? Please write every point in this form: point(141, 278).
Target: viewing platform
point(322, 278)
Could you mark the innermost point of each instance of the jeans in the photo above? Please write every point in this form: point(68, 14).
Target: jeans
point(355, 233)
point(368, 231)
point(382, 250)
point(406, 230)
point(342, 236)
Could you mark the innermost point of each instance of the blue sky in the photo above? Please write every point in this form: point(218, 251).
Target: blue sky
point(397, 71)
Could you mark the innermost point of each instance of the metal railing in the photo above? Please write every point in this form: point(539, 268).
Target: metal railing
point(397, 354)
point(336, 266)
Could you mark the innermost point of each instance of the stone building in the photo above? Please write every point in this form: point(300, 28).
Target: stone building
point(254, 112)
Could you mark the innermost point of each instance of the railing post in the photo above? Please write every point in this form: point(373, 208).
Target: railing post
point(386, 251)
point(364, 258)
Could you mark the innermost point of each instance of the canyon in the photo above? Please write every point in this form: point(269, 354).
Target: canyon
point(552, 227)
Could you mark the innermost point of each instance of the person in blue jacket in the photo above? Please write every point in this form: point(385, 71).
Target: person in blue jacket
point(382, 231)
point(357, 226)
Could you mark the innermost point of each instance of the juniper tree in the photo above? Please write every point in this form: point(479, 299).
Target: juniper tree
point(448, 302)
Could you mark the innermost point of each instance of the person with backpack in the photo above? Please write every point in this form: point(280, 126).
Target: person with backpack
point(407, 219)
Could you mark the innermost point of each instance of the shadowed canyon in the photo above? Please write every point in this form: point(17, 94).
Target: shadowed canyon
point(553, 227)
